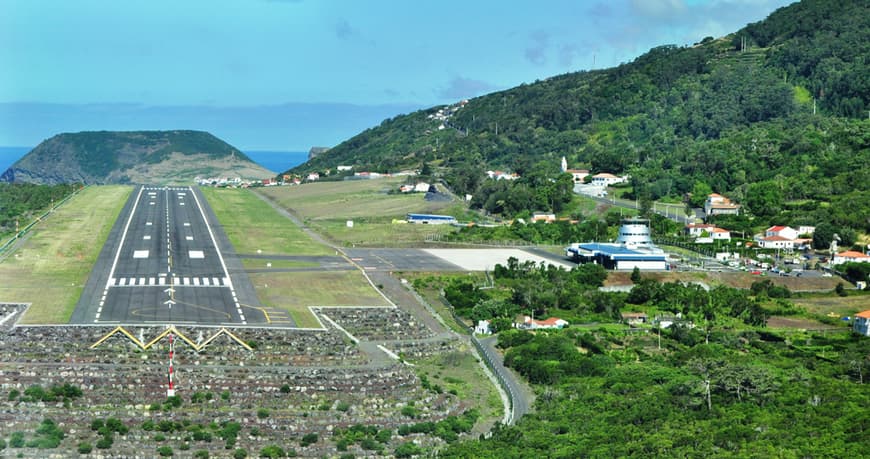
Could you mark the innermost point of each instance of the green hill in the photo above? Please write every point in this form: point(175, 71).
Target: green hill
point(131, 157)
point(786, 115)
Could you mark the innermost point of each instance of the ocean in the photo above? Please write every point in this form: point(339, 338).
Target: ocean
point(275, 161)
point(278, 161)
point(8, 156)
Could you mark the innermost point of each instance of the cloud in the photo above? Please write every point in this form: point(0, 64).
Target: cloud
point(600, 10)
point(536, 53)
point(464, 88)
point(567, 53)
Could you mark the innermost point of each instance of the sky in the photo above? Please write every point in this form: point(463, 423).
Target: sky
point(291, 74)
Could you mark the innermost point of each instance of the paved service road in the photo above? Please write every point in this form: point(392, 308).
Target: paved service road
point(163, 263)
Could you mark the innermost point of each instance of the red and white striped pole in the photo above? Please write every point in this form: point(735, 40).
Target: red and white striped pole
point(171, 391)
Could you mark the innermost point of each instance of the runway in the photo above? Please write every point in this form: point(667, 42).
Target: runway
point(164, 263)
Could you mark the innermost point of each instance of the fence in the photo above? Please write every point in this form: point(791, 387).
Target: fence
point(27, 228)
point(496, 370)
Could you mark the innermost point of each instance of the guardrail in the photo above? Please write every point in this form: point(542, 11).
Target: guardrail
point(487, 359)
point(38, 219)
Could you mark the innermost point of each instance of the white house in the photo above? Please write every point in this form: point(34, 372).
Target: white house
point(698, 229)
point(482, 328)
point(850, 256)
point(421, 187)
point(774, 242)
point(344, 168)
point(543, 217)
point(720, 234)
point(716, 204)
point(577, 175)
point(606, 179)
point(783, 231)
point(313, 176)
point(552, 322)
point(861, 325)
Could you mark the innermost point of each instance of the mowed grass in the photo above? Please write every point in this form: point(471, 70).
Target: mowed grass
point(252, 225)
point(51, 267)
point(327, 206)
point(295, 292)
point(264, 263)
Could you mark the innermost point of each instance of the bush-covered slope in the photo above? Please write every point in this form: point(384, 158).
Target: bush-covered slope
point(124, 157)
point(788, 110)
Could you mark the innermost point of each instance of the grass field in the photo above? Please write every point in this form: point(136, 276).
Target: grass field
point(295, 292)
point(51, 267)
point(253, 225)
point(265, 263)
point(825, 304)
point(327, 206)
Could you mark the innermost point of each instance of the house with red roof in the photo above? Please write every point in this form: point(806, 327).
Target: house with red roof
point(861, 324)
point(850, 256)
point(716, 204)
point(532, 324)
point(783, 231)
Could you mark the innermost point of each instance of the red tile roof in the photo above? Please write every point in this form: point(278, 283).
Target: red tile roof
point(864, 314)
point(852, 254)
point(777, 228)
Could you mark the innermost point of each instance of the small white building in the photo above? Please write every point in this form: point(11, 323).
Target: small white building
point(577, 175)
point(698, 229)
point(782, 231)
point(482, 328)
point(314, 176)
point(552, 322)
point(716, 204)
point(720, 234)
point(774, 242)
point(606, 179)
point(421, 187)
point(850, 256)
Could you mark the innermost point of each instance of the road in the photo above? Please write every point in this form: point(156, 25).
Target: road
point(675, 212)
point(163, 263)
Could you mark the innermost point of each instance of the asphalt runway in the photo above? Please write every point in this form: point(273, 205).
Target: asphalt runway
point(164, 263)
point(399, 260)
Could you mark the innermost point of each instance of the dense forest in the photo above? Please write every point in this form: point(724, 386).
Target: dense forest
point(717, 382)
point(774, 115)
point(20, 202)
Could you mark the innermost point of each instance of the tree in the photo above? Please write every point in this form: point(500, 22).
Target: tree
point(764, 199)
point(635, 275)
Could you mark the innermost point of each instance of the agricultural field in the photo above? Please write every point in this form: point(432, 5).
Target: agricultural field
point(50, 268)
point(327, 206)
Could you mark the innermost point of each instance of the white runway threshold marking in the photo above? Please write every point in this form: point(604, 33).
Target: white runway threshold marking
point(147, 237)
point(196, 254)
point(140, 254)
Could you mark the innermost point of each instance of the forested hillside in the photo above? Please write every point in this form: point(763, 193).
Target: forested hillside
point(776, 113)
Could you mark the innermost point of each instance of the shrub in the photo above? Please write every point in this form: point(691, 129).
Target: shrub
point(308, 439)
point(272, 451)
point(85, 448)
point(262, 413)
point(201, 454)
point(240, 453)
point(165, 451)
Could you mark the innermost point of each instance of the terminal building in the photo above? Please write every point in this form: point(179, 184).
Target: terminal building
point(633, 249)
